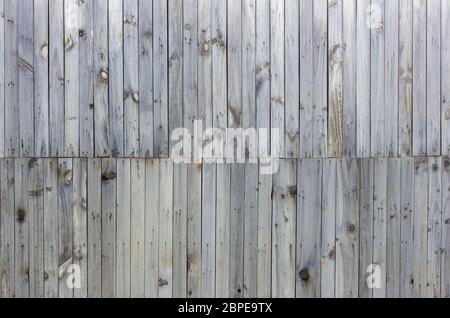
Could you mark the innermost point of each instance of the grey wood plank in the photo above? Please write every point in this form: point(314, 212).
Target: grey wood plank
point(2, 79)
point(445, 78)
point(445, 265)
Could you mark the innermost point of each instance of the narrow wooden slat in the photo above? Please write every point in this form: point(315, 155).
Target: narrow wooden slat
point(2, 78)
point(283, 230)
point(445, 265)
point(131, 77)
point(445, 78)
point(309, 198)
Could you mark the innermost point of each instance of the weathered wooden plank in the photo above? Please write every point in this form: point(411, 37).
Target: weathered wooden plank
point(237, 205)
point(26, 77)
point(21, 229)
point(223, 240)
point(41, 79)
point(151, 227)
point(86, 77)
point(309, 198)
point(349, 77)
point(362, 84)
point(208, 251)
point(445, 78)
point(51, 252)
point(366, 200)
point(433, 77)
point(80, 225)
point(420, 227)
point(101, 88)
point(347, 231)
point(419, 84)
point(145, 30)
point(2, 79)
point(434, 228)
point(283, 230)
point(123, 249)
point(65, 225)
point(445, 265)
point(377, 78)
point(335, 77)
point(71, 79)
point(94, 225)
point(108, 229)
point(36, 227)
point(292, 69)
point(165, 281)
point(406, 228)
point(380, 224)
point(137, 193)
point(391, 77)
point(116, 75)
point(131, 77)
point(160, 80)
point(405, 76)
point(264, 269)
point(328, 229)
point(12, 117)
point(393, 234)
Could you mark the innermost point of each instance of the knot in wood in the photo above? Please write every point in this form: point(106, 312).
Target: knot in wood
point(21, 215)
point(304, 274)
point(108, 175)
point(351, 228)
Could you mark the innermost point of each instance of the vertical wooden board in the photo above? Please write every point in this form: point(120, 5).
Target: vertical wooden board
point(433, 78)
point(264, 270)
point(277, 72)
point(65, 225)
point(80, 225)
point(36, 228)
point(151, 227)
point(292, 69)
point(51, 252)
point(377, 78)
point(71, 79)
point(328, 229)
point(445, 78)
point(223, 239)
point(145, 30)
point(405, 76)
point(234, 69)
point(366, 200)
point(160, 80)
point(41, 78)
point(306, 79)
point(86, 77)
point(94, 226)
point(7, 239)
point(406, 228)
point(379, 224)
point(116, 76)
point(208, 230)
point(349, 77)
point(179, 229)
point(263, 73)
point(21, 229)
point(108, 230)
point(445, 265)
point(131, 77)
point(12, 134)
point(283, 230)
point(362, 82)
point(393, 235)
point(26, 77)
point(347, 232)
point(434, 238)
point(420, 227)
point(391, 77)
point(2, 79)
point(419, 84)
point(309, 201)
point(138, 228)
point(237, 206)
point(123, 273)
point(320, 71)
point(251, 231)
point(165, 219)
point(335, 76)
point(101, 84)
